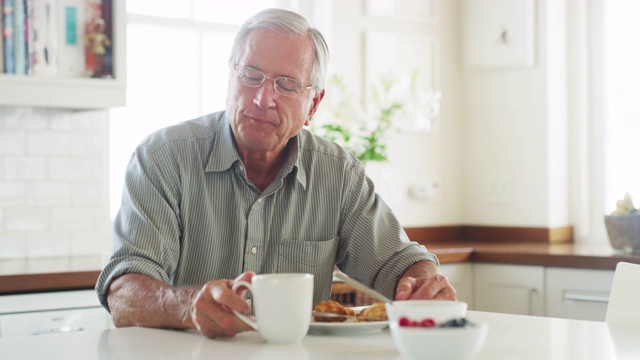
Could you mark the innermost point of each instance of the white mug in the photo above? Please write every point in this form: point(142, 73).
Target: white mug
point(282, 305)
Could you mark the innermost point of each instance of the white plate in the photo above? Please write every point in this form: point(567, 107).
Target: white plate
point(347, 327)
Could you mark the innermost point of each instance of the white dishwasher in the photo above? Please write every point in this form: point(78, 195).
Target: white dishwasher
point(50, 312)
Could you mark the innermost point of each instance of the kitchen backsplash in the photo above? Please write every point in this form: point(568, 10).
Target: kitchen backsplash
point(54, 183)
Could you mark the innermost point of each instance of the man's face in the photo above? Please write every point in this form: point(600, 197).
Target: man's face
point(262, 119)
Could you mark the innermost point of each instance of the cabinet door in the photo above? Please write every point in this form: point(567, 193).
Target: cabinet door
point(45, 322)
point(513, 289)
point(578, 293)
point(59, 311)
point(461, 277)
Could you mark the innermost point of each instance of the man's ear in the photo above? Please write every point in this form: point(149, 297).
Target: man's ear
point(314, 106)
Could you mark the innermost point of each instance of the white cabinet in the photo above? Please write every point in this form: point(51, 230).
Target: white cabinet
point(548, 291)
point(578, 293)
point(461, 277)
point(44, 322)
point(63, 311)
point(73, 92)
point(514, 289)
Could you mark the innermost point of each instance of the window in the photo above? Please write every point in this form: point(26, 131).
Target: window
point(621, 100)
point(176, 68)
point(607, 130)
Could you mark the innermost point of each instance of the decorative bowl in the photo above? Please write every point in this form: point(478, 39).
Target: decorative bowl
point(624, 231)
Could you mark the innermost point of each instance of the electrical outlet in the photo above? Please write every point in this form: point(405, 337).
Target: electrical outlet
point(499, 188)
point(423, 190)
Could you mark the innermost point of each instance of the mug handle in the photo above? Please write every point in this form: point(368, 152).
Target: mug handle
point(242, 317)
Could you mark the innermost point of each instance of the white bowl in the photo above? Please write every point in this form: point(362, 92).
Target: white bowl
point(438, 310)
point(453, 343)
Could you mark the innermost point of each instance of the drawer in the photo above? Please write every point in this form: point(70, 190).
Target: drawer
point(42, 322)
point(578, 293)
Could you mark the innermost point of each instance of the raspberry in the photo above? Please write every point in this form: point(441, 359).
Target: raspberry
point(404, 322)
point(427, 323)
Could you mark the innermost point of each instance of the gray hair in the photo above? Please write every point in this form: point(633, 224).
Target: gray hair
point(290, 23)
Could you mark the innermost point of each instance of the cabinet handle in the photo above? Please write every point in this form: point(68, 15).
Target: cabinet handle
point(533, 292)
point(64, 329)
point(571, 296)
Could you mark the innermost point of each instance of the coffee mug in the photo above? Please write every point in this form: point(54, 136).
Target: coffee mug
point(282, 306)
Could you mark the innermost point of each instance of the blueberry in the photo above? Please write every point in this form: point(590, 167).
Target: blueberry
point(457, 322)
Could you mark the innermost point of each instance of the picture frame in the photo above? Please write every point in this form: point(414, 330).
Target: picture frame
point(499, 33)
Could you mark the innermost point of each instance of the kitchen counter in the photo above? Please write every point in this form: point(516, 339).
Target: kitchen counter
point(570, 255)
point(37, 275)
point(49, 274)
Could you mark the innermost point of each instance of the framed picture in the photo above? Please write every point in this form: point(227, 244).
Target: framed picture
point(499, 33)
point(423, 11)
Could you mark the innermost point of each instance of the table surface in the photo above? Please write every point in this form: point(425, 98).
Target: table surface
point(509, 337)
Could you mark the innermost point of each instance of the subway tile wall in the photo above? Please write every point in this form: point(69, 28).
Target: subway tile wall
point(54, 183)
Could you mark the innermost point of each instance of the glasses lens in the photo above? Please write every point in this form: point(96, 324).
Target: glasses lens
point(250, 77)
point(287, 87)
point(255, 78)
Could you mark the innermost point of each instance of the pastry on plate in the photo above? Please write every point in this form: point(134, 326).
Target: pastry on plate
point(334, 307)
point(375, 312)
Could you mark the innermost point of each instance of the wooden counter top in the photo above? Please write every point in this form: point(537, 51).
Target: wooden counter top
point(569, 255)
point(49, 274)
point(81, 273)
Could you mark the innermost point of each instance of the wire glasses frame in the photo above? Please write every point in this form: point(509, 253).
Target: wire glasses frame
point(282, 85)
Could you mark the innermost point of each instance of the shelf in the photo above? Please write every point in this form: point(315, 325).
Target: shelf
point(61, 93)
point(74, 93)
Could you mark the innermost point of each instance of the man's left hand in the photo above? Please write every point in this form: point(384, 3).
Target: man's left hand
point(423, 280)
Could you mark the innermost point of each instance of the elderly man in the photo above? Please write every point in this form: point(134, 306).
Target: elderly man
point(248, 190)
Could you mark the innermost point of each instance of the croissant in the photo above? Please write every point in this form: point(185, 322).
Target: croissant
point(331, 306)
point(375, 312)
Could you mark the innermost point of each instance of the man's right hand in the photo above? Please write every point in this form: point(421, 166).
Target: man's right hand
point(211, 308)
point(139, 300)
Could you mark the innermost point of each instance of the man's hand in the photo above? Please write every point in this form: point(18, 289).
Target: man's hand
point(423, 280)
point(211, 309)
point(138, 300)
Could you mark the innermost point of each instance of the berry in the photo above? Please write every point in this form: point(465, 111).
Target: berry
point(457, 322)
point(427, 323)
point(404, 322)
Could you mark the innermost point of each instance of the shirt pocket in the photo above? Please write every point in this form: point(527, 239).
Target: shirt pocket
point(312, 257)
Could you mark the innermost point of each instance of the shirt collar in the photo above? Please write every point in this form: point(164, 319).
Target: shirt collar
point(224, 153)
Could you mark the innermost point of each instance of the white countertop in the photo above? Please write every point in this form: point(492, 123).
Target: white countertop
point(510, 337)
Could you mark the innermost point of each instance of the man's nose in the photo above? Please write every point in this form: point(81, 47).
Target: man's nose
point(265, 94)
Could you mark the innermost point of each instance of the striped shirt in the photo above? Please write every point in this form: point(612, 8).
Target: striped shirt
point(189, 214)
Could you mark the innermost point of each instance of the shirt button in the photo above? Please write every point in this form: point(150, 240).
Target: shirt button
point(241, 168)
point(259, 201)
point(254, 250)
point(249, 302)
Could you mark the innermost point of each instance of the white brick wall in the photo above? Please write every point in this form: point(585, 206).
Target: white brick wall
point(54, 183)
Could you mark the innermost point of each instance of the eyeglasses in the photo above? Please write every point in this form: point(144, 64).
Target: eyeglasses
point(282, 85)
